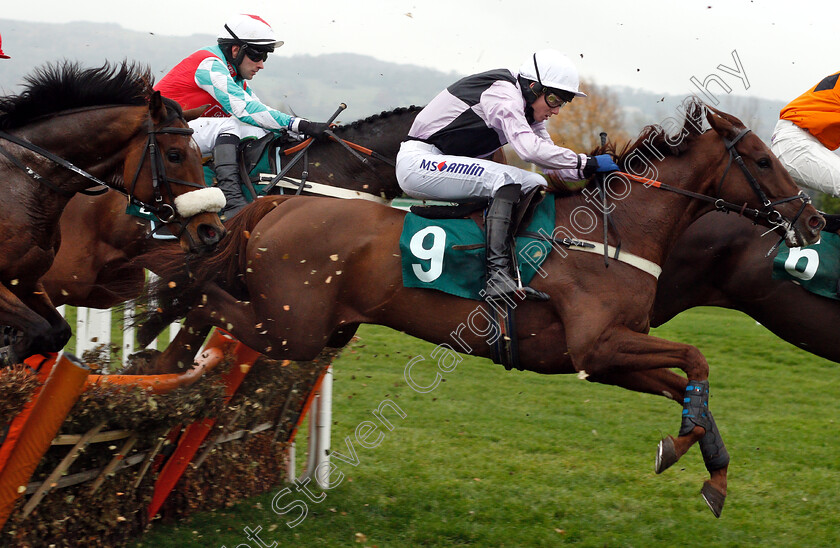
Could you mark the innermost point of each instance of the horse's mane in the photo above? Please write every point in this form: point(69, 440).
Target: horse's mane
point(654, 141)
point(64, 86)
point(358, 124)
point(180, 280)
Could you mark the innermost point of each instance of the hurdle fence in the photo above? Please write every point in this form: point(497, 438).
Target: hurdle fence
point(94, 327)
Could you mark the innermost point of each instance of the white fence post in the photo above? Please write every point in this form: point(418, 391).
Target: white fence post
point(128, 334)
point(323, 416)
point(93, 327)
point(319, 432)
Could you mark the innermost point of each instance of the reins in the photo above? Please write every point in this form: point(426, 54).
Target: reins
point(768, 212)
point(56, 159)
point(301, 152)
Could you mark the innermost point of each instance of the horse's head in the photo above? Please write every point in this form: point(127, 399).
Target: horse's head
point(753, 176)
point(163, 170)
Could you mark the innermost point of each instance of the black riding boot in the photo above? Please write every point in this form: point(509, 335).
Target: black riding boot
point(228, 179)
point(501, 281)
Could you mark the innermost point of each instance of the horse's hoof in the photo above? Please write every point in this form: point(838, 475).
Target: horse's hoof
point(713, 498)
point(666, 454)
point(8, 356)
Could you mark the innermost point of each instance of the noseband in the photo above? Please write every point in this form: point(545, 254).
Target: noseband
point(164, 211)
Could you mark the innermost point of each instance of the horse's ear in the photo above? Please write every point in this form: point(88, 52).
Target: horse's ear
point(156, 107)
point(721, 124)
point(193, 113)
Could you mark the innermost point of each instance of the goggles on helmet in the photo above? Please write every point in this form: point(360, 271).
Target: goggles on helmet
point(556, 98)
point(255, 52)
point(255, 55)
point(552, 100)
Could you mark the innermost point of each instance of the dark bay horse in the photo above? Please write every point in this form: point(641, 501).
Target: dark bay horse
point(721, 261)
point(93, 268)
point(70, 130)
point(297, 276)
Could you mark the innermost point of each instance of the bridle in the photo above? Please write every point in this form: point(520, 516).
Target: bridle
point(768, 210)
point(164, 211)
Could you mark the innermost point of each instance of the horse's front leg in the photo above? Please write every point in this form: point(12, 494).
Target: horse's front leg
point(640, 362)
point(219, 309)
point(60, 331)
point(36, 329)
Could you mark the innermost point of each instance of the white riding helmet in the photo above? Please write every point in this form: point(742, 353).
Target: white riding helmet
point(552, 69)
point(249, 29)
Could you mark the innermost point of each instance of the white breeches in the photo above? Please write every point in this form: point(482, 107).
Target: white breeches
point(207, 129)
point(426, 173)
point(810, 164)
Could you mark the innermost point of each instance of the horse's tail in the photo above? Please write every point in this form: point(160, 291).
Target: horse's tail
point(181, 278)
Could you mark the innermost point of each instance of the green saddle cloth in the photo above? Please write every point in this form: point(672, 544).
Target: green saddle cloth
point(448, 254)
point(815, 267)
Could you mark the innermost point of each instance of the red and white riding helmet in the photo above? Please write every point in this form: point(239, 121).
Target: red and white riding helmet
point(251, 30)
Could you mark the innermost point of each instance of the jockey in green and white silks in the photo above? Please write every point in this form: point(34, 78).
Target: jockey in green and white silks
point(205, 77)
point(218, 76)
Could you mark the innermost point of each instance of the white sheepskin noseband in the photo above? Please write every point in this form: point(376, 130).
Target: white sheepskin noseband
point(198, 201)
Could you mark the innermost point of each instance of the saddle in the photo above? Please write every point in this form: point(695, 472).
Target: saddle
point(474, 209)
point(271, 147)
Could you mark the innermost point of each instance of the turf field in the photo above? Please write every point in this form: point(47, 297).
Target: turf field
point(497, 458)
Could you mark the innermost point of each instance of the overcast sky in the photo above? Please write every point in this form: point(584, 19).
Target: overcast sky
point(782, 47)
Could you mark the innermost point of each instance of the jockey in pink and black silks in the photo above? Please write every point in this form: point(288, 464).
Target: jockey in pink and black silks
point(446, 155)
point(218, 76)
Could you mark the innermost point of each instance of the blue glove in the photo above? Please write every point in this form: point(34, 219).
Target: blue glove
point(605, 164)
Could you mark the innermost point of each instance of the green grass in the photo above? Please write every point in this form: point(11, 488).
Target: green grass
point(497, 458)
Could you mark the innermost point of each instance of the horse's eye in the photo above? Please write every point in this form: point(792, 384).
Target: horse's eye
point(174, 156)
point(764, 163)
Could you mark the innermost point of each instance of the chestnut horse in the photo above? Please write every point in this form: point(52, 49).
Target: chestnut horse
point(92, 269)
point(722, 261)
point(291, 279)
point(70, 130)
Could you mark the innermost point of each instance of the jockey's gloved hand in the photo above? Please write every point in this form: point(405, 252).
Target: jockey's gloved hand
point(602, 163)
point(313, 129)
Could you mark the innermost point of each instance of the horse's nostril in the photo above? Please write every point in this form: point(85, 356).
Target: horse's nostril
point(209, 234)
point(816, 223)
